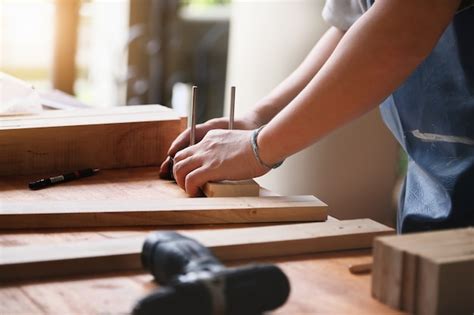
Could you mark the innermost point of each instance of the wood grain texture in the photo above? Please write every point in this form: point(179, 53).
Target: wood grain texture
point(418, 272)
point(108, 213)
point(61, 141)
point(117, 184)
point(227, 188)
point(28, 262)
point(320, 284)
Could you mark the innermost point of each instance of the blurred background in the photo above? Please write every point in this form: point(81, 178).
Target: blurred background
point(127, 52)
point(117, 52)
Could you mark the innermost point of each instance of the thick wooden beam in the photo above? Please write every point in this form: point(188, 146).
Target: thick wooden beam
point(62, 141)
point(426, 273)
point(60, 214)
point(30, 262)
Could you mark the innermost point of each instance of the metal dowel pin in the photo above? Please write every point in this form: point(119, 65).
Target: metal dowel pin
point(192, 136)
point(232, 108)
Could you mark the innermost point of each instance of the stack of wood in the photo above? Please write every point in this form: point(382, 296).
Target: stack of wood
point(426, 273)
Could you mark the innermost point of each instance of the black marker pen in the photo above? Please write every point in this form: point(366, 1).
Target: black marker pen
point(47, 182)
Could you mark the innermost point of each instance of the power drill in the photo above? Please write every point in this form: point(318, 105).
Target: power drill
point(194, 281)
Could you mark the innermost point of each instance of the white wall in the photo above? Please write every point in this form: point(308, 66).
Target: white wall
point(353, 170)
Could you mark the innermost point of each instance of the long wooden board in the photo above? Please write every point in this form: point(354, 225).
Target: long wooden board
point(30, 262)
point(55, 142)
point(320, 284)
point(54, 214)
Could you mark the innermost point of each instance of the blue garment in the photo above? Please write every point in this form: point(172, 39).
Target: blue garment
point(432, 116)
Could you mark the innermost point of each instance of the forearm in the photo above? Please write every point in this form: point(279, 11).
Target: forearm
point(287, 90)
point(374, 58)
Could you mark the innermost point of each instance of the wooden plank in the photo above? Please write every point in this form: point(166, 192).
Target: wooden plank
point(69, 140)
point(89, 116)
point(28, 262)
point(407, 269)
point(117, 184)
point(446, 286)
point(391, 293)
point(320, 284)
point(54, 213)
point(396, 263)
point(453, 243)
point(228, 188)
point(378, 278)
point(409, 284)
point(14, 301)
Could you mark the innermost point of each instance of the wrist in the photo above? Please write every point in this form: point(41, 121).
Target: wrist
point(257, 151)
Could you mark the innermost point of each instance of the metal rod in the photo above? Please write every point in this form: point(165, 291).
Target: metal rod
point(232, 108)
point(192, 136)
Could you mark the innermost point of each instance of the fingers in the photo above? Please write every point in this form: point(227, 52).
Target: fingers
point(217, 156)
point(181, 142)
point(166, 168)
point(183, 154)
point(191, 173)
point(196, 179)
point(182, 168)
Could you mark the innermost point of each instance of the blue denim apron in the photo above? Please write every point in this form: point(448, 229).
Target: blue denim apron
point(432, 116)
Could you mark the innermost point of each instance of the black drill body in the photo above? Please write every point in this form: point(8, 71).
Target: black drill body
point(194, 281)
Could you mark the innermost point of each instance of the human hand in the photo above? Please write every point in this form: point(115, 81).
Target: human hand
point(182, 141)
point(221, 154)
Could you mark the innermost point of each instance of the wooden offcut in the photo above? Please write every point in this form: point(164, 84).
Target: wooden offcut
point(228, 188)
point(55, 142)
point(95, 213)
point(30, 262)
point(426, 273)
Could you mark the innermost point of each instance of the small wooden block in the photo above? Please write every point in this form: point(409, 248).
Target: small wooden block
point(228, 188)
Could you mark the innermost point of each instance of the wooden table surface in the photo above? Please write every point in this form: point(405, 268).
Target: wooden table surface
point(320, 283)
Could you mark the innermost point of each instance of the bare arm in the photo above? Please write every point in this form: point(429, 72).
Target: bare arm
point(374, 57)
point(286, 91)
point(270, 105)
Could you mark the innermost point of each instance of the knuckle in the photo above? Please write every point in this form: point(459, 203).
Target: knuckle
point(214, 163)
point(177, 166)
point(178, 170)
point(191, 183)
point(212, 145)
point(178, 156)
point(213, 133)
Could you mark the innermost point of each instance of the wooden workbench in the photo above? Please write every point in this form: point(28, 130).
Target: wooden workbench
point(320, 283)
